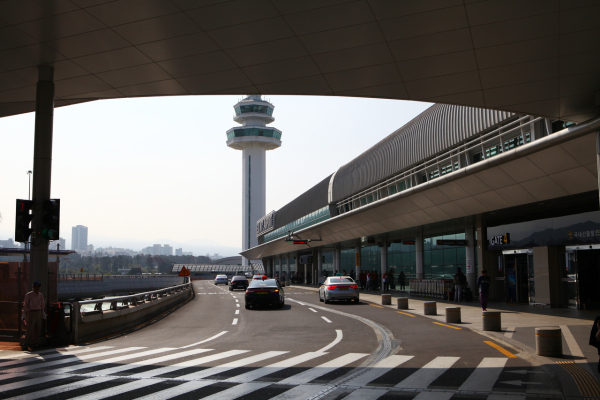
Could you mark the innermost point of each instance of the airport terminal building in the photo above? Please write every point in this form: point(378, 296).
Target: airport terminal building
point(457, 186)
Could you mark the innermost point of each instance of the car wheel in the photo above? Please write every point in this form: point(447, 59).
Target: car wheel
point(356, 301)
point(230, 289)
point(280, 305)
point(320, 298)
point(326, 301)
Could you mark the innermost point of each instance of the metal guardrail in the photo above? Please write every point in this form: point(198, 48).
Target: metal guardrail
point(80, 277)
point(133, 299)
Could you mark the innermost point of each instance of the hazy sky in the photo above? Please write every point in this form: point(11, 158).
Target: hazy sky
point(154, 170)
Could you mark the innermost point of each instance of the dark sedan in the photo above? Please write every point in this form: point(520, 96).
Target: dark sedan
point(268, 292)
point(238, 282)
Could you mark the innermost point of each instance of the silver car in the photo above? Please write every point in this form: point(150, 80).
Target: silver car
point(221, 279)
point(338, 288)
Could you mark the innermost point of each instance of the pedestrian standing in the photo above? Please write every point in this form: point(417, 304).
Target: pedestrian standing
point(386, 286)
point(402, 279)
point(33, 308)
point(459, 280)
point(362, 279)
point(483, 283)
point(368, 281)
point(595, 337)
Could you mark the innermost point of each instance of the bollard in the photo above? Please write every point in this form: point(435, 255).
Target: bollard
point(548, 342)
point(386, 299)
point(430, 308)
point(492, 320)
point(402, 303)
point(453, 315)
point(287, 283)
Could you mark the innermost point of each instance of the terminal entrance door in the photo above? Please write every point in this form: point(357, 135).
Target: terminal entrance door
point(583, 277)
point(516, 276)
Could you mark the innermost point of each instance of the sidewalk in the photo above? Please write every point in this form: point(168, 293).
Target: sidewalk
point(518, 324)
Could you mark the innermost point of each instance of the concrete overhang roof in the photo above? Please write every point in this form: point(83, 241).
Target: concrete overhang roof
point(536, 57)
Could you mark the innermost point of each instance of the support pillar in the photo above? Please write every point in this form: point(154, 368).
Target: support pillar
point(419, 256)
point(280, 266)
point(470, 272)
point(42, 175)
point(306, 273)
point(319, 266)
point(598, 152)
point(336, 260)
point(296, 261)
point(383, 254)
point(287, 274)
point(357, 261)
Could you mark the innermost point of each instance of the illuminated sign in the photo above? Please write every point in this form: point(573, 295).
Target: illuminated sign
point(500, 239)
point(266, 223)
point(409, 242)
point(301, 241)
point(442, 242)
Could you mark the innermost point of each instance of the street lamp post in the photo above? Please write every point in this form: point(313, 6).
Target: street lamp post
point(29, 173)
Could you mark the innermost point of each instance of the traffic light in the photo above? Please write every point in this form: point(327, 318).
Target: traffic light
point(51, 219)
point(23, 219)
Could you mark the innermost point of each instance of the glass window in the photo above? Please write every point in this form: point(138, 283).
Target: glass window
point(423, 178)
point(402, 185)
point(477, 157)
point(492, 151)
point(434, 174)
point(392, 189)
point(370, 198)
point(237, 111)
point(446, 169)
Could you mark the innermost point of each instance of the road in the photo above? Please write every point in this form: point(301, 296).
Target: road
point(213, 348)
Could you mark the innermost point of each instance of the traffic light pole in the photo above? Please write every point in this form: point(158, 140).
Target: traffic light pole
point(42, 173)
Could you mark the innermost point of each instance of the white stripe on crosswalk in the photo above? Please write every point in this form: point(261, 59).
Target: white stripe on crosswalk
point(301, 392)
point(383, 366)
point(71, 359)
point(323, 369)
point(428, 373)
point(229, 366)
point(169, 393)
point(237, 391)
point(485, 375)
point(117, 390)
point(190, 363)
point(366, 394)
point(30, 382)
point(270, 369)
point(11, 355)
point(51, 356)
point(105, 363)
point(63, 388)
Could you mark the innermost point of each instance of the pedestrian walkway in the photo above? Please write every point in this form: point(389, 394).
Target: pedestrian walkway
point(518, 323)
point(99, 372)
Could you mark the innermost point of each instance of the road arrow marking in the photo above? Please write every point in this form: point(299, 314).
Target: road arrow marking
point(521, 383)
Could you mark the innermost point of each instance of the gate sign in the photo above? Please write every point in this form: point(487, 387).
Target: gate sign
point(266, 223)
point(500, 239)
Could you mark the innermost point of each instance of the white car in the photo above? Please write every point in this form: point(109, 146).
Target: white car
point(221, 279)
point(339, 288)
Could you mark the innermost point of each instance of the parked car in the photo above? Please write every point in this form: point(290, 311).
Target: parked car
point(221, 279)
point(267, 292)
point(238, 282)
point(338, 288)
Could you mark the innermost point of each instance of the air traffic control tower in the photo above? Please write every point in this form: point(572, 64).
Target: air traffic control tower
point(253, 138)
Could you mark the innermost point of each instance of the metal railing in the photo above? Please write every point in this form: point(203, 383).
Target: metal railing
point(133, 299)
point(80, 277)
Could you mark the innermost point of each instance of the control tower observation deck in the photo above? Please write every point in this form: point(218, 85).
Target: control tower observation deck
point(253, 138)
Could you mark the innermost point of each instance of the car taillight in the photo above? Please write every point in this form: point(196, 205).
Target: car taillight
point(275, 290)
point(331, 287)
point(354, 287)
point(248, 291)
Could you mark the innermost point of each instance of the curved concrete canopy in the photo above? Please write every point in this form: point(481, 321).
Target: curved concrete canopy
point(537, 57)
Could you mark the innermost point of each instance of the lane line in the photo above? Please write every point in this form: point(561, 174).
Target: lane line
point(326, 320)
point(237, 304)
point(235, 320)
point(404, 313)
point(312, 309)
point(205, 340)
point(485, 375)
point(237, 312)
point(509, 332)
point(338, 338)
point(375, 305)
point(323, 369)
point(447, 326)
point(500, 349)
point(428, 373)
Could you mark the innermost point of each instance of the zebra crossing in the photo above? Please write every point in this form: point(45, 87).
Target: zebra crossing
point(164, 373)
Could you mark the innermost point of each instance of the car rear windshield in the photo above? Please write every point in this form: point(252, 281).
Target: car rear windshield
point(265, 283)
point(221, 276)
point(239, 278)
point(340, 280)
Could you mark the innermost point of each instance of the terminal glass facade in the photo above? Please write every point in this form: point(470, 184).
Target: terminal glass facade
point(402, 257)
point(370, 258)
point(441, 261)
point(313, 218)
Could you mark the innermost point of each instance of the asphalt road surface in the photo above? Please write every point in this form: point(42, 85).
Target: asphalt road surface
point(213, 348)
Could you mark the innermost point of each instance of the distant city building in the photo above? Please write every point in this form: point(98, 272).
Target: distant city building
point(8, 244)
point(179, 252)
point(79, 238)
point(115, 251)
point(187, 253)
point(158, 250)
point(166, 250)
point(60, 244)
point(90, 248)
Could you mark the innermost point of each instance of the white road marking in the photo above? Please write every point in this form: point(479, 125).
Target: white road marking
point(237, 304)
point(383, 366)
point(300, 392)
point(63, 388)
point(30, 382)
point(235, 320)
point(237, 391)
point(205, 340)
point(269, 369)
point(323, 369)
point(237, 312)
point(312, 309)
point(236, 300)
point(338, 338)
point(176, 391)
point(428, 373)
point(574, 348)
point(117, 390)
point(485, 375)
point(29, 359)
point(366, 394)
point(326, 320)
point(229, 366)
point(509, 332)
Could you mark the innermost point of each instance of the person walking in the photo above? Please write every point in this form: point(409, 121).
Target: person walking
point(459, 280)
point(483, 283)
point(368, 281)
point(595, 337)
point(386, 283)
point(402, 280)
point(33, 310)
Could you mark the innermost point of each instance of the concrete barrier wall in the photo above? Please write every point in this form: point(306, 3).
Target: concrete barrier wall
point(99, 325)
point(114, 286)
